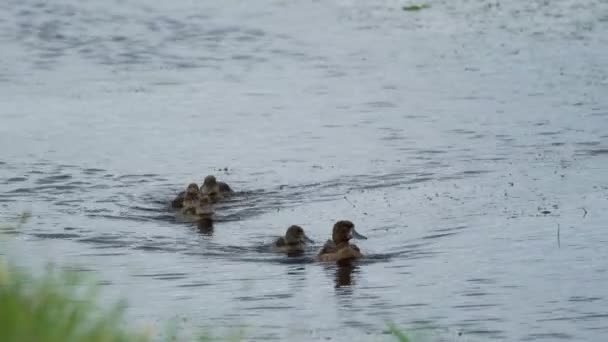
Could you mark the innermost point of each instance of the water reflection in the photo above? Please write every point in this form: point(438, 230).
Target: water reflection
point(344, 274)
point(205, 226)
point(296, 277)
point(296, 270)
point(295, 254)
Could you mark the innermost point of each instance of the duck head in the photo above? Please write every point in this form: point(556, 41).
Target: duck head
point(344, 231)
point(209, 182)
point(211, 188)
point(192, 189)
point(295, 235)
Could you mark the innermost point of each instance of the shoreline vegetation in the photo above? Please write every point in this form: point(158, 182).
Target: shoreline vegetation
point(62, 305)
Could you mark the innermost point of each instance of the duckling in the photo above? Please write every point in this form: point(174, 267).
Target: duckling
point(190, 204)
point(339, 248)
point(197, 206)
point(194, 206)
point(178, 202)
point(293, 242)
point(204, 208)
point(214, 189)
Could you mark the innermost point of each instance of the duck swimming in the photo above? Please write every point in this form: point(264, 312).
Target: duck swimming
point(211, 187)
point(293, 242)
point(204, 206)
point(339, 248)
point(197, 204)
point(191, 190)
point(214, 189)
point(190, 203)
point(193, 205)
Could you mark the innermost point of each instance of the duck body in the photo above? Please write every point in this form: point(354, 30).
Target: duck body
point(178, 201)
point(224, 188)
point(340, 253)
point(190, 203)
point(191, 190)
point(194, 215)
point(282, 246)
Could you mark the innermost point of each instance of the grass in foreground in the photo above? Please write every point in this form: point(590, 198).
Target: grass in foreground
point(400, 335)
point(56, 307)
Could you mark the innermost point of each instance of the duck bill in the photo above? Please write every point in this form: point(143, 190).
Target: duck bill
point(356, 235)
point(307, 239)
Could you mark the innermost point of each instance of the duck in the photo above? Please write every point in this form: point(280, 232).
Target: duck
point(196, 208)
point(197, 204)
point(178, 202)
point(293, 242)
point(205, 207)
point(190, 203)
point(214, 189)
point(339, 248)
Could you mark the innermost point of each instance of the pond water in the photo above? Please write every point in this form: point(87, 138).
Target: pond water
point(468, 141)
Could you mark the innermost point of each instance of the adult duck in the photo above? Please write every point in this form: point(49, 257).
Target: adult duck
point(339, 248)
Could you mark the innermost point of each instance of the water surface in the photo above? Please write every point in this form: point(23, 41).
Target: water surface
point(457, 138)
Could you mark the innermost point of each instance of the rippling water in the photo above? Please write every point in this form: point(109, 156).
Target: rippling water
point(458, 139)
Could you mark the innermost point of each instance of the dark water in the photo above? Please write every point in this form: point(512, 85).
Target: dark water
point(458, 139)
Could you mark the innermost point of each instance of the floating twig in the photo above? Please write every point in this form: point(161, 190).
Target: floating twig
point(558, 242)
point(585, 212)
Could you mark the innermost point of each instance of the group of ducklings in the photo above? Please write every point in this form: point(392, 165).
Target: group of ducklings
point(197, 202)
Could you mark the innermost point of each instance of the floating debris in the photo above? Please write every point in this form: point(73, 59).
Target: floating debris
point(412, 8)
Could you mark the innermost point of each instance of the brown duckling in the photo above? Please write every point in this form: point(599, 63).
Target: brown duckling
point(190, 203)
point(205, 208)
point(197, 205)
point(214, 189)
point(340, 248)
point(294, 241)
point(178, 202)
